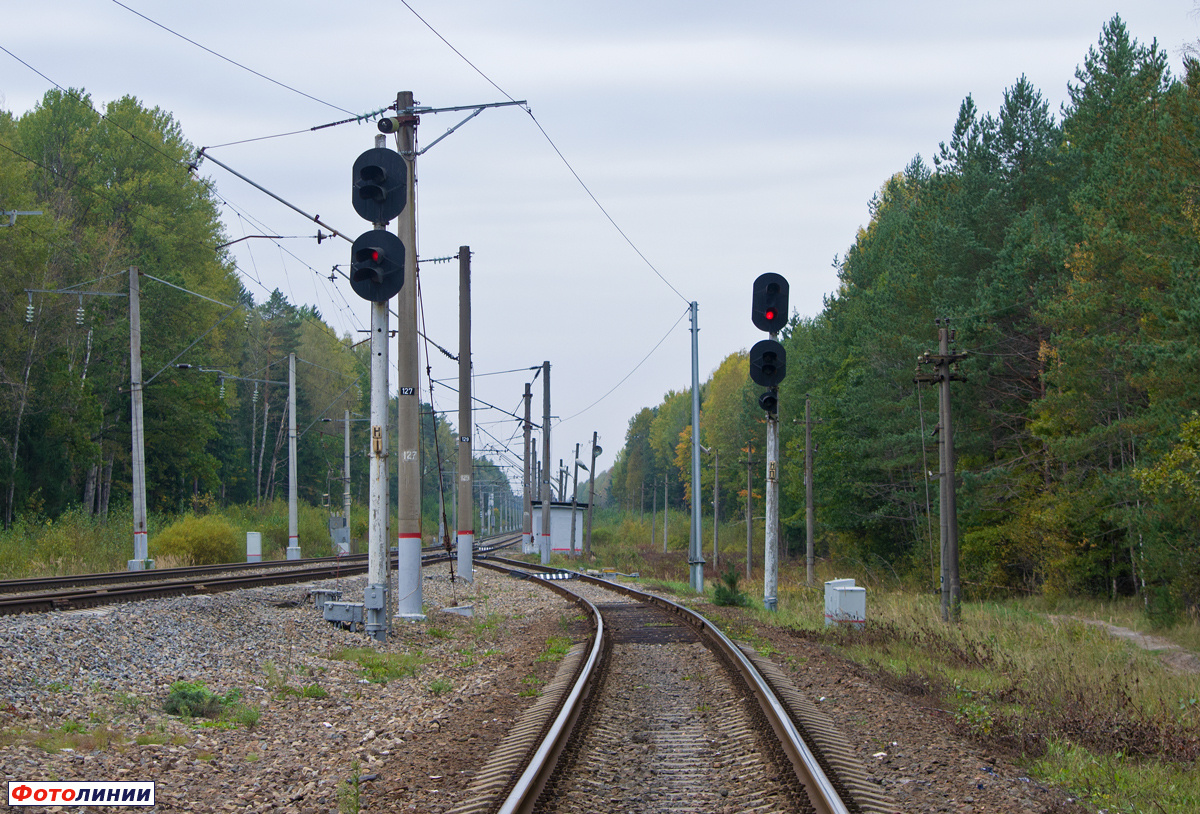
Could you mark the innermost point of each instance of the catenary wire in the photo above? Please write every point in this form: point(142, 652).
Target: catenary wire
point(557, 151)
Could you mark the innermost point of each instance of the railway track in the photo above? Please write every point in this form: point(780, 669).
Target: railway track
point(661, 712)
point(90, 590)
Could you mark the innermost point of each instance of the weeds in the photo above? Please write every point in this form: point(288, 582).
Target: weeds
point(380, 668)
point(349, 792)
point(530, 690)
point(557, 647)
point(193, 700)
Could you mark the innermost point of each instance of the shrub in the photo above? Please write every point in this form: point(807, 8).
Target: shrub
point(727, 593)
point(207, 540)
point(193, 700)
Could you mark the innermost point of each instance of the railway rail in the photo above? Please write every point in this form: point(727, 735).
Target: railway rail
point(89, 590)
point(660, 711)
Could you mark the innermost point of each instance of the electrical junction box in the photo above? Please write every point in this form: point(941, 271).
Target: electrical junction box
point(347, 614)
point(322, 596)
point(375, 597)
point(845, 603)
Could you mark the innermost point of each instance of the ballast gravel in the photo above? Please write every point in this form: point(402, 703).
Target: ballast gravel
point(82, 694)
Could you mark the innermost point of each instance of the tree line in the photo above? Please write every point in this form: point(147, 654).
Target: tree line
point(118, 188)
point(1065, 251)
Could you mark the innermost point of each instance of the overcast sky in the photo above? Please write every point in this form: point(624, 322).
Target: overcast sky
point(725, 139)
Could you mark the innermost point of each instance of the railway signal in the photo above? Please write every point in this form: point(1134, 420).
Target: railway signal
point(768, 367)
point(768, 362)
point(377, 265)
point(380, 185)
point(769, 306)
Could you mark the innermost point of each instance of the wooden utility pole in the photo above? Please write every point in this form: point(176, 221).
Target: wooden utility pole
point(464, 526)
point(944, 363)
point(587, 543)
point(653, 514)
point(574, 499)
point(809, 552)
point(716, 507)
point(408, 515)
point(749, 512)
point(666, 508)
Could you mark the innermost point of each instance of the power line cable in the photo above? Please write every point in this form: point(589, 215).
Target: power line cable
point(73, 94)
point(231, 61)
point(557, 151)
point(630, 373)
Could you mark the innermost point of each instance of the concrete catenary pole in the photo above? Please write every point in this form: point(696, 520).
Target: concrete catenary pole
point(545, 544)
point(587, 543)
point(141, 539)
point(346, 480)
point(293, 548)
point(465, 532)
point(527, 484)
point(408, 516)
point(695, 549)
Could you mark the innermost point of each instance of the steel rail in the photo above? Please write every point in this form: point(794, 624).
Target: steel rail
point(822, 792)
point(11, 586)
point(194, 580)
point(529, 784)
point(71, 600)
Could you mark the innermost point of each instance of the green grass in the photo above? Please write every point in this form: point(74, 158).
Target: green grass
point(380, 668)
point(556, 648)
point(1077, 706)
point(530, 690)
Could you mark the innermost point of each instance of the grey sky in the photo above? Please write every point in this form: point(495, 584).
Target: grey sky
point(726, 139)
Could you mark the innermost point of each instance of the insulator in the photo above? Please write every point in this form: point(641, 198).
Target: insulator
point(255, 399)
point(79, 315)
point(29, 313)
point(222, 389)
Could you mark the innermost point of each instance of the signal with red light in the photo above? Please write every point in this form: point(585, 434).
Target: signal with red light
point(769, 304)
point(377, 265)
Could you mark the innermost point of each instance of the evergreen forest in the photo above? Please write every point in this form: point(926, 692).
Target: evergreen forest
point(1064, 248)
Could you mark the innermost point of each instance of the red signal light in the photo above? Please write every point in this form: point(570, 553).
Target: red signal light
point(770, 314)
point(375, 256)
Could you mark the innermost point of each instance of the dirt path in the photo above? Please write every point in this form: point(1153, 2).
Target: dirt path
point(1181, 661)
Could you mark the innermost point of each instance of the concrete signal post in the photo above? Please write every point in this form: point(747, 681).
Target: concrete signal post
point(768, 367)
point(377, 267)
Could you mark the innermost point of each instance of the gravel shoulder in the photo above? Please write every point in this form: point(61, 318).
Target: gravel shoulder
point(81, 697)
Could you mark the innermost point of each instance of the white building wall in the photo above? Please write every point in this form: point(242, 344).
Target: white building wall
point(560, 525)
